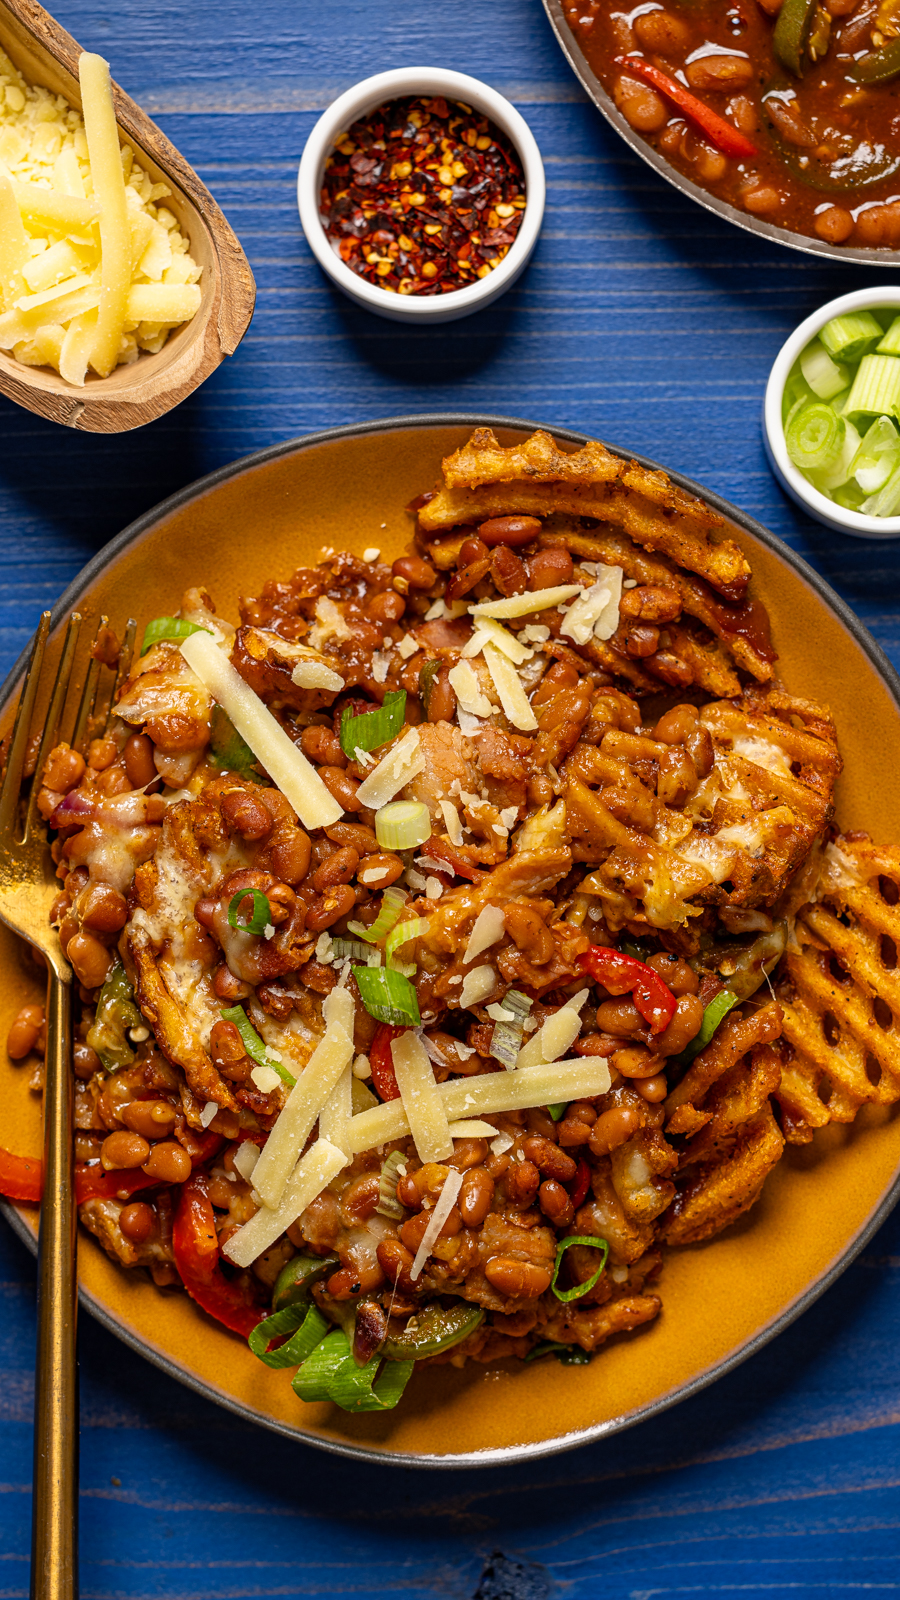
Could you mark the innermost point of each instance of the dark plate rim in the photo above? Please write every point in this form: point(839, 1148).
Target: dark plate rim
point(589, 81)
point(861, 635)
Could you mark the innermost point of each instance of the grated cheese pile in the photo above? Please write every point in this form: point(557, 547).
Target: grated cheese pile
point(51, 263)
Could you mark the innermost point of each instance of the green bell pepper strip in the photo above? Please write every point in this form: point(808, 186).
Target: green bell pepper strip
point(168, 628)
point(116, 1012)
point(792, 30)
point(882, 66)
point(568, 1355)
point(430, 1331)
point(580, 1288)
point(715, 1013)
point(296, 1279)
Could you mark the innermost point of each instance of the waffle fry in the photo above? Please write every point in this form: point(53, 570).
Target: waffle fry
point(840, 990)
point(721, 1190)
point(536, 478)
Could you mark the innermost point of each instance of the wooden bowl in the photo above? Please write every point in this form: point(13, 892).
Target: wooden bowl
point(263, 517)
point(132, 395)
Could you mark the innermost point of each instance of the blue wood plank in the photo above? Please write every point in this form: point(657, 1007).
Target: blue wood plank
point(652, 324)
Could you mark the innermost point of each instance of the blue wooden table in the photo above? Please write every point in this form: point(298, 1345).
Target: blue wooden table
point(651, 324)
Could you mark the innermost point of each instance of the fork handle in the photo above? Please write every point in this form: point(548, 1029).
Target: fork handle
point(54, 1527)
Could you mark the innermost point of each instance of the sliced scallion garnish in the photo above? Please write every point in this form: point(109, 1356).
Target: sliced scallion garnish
point(388, 1205)
point(580, 1288)
point(355, 950)
point(372, 729)
point(876, 388)
point(392, 902)
point(402, 934)
point(850, 337)
point(261, 917)
point(825, 377)
point(168, 628)
point(402, 825)
point(388, 996)
point(331, 1373)
point(254, 1046)
point(814, 437)
point(307, 1325)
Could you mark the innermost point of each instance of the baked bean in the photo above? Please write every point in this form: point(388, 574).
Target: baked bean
point(547, 569)
point(661, 33)
point(340, 867)
point(348, 1282)
point(227, 986)
point(169, 1162)
point(464, 581)
point(619, 1017)
point(323, 746)
point(246, 816)
point(221, 1192)
point(138, 758)
point(473, 549)
point(508, 571)
point(327, 909)
point(85, 1061)
point(653, 1089)
point(671, 669)
point(573, 1131)
point(552, 1162)
point(641, 640)
point(476, 1196)
point(342, 786)
point(676, 776)
point(25, 1032)
point(643, 109)
point(380, 870)
point(290, 853)
point(152, 1119)
point(674, 726)
point(555, 1203)
point(650, 602)
point(509, 530)
point(114, 780)
point(123, 1150)
point(529, 933)
point(388, 606)
point(710, 163)
point(519, 1280)
point(613, 1128)
point(408, 1193)
point(360, 1198)
point(522, 1181)
point(442, 698)
point(362, 839)
point(136, 1221)
point(395, 1262)
point(101, 754)
point(419, 574)
point(761, 199)
point(225, 1043)
point(562, 675)
point(245, 878)
point(63, 769)
point(714, 72)
point(282, 902)
point(834, 224)
point(636, 1061)
point(90, 960)
point(675, 973)
point(742, 112)
point(102, 908)
point(699, 746)
point(684, 1027)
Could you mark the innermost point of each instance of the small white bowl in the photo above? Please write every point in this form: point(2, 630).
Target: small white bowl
point(791, 479)
point(364, 97)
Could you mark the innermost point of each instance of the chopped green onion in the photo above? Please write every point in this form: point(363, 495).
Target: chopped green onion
point(839, 474)
point(402, 934)
point(876, 388)
point(427, 674)
point(402, 825)
point(886, 503)
point(877, 456)
point(253, 1044)
point(388, 996)
point(716, 1012)
point(313, 1381)
point(506, 1039)
point(305, 1322)
point(580, 1288)
point(568, 1355)
point(355, 950)
point(850, 337)
point(261, 918)
point(796, 392)
point(824, 376)
point(388, 1205)
point(392, 902)
point(331, 1373)
point(850, 496)
point(815, 437)
point(228, 750)
point(373, 728)
point(168, 628)
point(558, 1111)
point(890, 344)
point(116, 1012)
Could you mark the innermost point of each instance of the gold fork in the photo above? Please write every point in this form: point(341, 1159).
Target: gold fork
point(28, 887)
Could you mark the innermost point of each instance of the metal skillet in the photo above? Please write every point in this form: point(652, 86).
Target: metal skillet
point(586, 75)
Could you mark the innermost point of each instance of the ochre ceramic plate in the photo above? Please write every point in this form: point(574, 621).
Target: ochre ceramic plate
point(262, 517)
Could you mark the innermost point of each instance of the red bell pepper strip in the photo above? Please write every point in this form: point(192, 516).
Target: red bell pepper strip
point(621, 974)
point(381, 1061)
point(92, 1183)
point(580, 1183)
point(724, 135)
point(21, 1177)
point(196, 1251)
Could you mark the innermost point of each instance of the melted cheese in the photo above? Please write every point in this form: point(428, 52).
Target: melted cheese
point(445, 1202)
point(420, 1097)
point(510, 693)
point(310, 1176)
point(285, 763)
point(763, 753)
point(519, 605)
point(393, 772)
point(307, 1098)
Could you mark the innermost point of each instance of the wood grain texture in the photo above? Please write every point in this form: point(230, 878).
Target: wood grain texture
point(650, 323)
point(134, 395)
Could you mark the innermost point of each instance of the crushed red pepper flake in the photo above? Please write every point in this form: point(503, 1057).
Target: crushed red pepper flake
point(422, 197)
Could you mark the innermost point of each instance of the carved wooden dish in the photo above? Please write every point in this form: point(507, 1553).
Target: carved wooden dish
point(132, 395)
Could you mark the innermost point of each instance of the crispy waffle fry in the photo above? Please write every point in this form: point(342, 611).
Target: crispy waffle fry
point(537, 479)
point(721, 1190)
point(840, 990)
point(731, 1042)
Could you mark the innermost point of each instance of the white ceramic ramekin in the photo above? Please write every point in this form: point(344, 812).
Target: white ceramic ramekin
point(791, 479)
point(364, 97)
